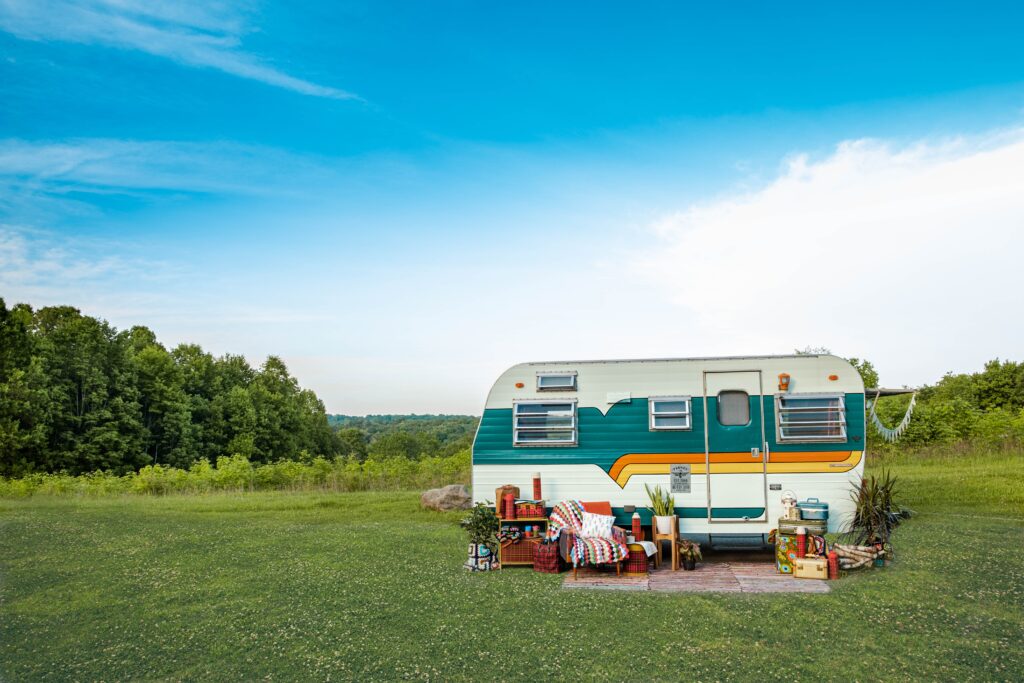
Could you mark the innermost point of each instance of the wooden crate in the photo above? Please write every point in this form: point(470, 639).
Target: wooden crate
point(518, 552)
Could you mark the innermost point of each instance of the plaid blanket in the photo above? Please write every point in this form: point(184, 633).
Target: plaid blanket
point(567, 516)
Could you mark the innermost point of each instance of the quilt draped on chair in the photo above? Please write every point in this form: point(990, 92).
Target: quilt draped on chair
point(568, 516)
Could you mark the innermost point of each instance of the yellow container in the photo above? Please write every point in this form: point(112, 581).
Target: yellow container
point(810, 568)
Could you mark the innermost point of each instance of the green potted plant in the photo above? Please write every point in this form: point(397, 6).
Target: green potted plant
point(689, 553)
point(663, 507)
point(876, 514)
point(482, 526)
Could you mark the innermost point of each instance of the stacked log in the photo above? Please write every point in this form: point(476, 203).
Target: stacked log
point(857, 556)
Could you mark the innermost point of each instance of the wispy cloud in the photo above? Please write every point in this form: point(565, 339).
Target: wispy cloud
point(28, 262)
point(908, 254)
point(193, 33)
point(107, 277)
point(102, 164)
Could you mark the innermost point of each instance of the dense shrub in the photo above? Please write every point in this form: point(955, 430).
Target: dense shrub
point(945, 421)
point(984, 408)
point(237, 473)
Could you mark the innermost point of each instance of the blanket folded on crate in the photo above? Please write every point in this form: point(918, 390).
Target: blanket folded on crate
point(566, 525)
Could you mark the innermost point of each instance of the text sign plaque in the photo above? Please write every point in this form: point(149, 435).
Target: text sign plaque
point(679, 478)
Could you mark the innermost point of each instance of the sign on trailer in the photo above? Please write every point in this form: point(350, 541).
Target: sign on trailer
point(680, 478)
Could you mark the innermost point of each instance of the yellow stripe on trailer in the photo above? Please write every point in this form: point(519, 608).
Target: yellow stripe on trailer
point(629, 469)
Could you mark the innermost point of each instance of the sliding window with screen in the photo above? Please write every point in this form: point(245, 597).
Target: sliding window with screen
point(544, 423)
point(669, 413)
point(811, 417)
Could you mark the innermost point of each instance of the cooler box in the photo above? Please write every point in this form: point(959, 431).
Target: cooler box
point(810, 568)
point(812, 508)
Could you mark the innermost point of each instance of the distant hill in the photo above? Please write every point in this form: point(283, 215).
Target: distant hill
point(409, 435)
point(373, 424)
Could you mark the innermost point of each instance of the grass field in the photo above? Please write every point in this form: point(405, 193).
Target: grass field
point(365, 585)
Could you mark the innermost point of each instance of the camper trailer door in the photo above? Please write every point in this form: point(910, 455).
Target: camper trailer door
point(735, 446)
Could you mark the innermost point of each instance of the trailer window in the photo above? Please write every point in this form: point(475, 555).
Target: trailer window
point(818, 417)
point(556, 381)
point(544, 423)
point(669, 412)
point(733, 408)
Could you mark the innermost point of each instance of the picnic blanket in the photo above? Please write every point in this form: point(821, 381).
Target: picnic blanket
point(648, 546)
point(567, 517)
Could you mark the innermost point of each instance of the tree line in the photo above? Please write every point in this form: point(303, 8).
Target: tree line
point(406, 436)
point(78, 395)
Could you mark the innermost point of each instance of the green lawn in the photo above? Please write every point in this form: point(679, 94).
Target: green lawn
point(343, 586)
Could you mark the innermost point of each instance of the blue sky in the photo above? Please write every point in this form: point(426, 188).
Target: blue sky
point(403, 199)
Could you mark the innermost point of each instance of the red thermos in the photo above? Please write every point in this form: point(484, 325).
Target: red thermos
point(801, 542)
point(510, 506)
point(636, 525)
point(833, 565)
point(536, 486)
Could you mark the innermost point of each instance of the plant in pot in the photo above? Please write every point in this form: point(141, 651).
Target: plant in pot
point(663, 507)
point(689, 553)
point(876, 514)
point(482, 526)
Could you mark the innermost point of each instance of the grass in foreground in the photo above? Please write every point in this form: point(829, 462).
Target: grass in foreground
point(366, 585)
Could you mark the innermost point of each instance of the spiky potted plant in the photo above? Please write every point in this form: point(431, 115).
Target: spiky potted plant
point(663, 507)
point(876, 514)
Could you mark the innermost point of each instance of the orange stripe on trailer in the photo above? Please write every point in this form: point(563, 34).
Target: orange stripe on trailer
point(727, 463)
point(811, 456)
point(741, 457)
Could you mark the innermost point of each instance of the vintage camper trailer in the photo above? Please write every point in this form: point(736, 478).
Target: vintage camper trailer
point(728, 435)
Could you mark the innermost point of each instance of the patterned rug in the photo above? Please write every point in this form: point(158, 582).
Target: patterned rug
point(708, 577)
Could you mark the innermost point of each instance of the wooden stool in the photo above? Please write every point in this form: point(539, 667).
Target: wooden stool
point(672, 536)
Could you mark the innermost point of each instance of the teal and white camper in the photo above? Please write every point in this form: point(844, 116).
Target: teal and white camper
point(728, 435)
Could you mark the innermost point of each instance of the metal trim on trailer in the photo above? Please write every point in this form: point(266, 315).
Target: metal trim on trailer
point(672, 360)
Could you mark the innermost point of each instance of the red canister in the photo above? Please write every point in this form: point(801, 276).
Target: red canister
point(801, 542)
point(833, 565)
point(536, 486)
point(510, 506)
point(636, 525)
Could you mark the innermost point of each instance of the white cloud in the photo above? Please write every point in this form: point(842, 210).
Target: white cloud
point(193, 33)
point(910, 256)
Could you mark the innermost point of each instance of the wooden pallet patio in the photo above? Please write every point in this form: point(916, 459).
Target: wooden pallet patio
point(734, 576)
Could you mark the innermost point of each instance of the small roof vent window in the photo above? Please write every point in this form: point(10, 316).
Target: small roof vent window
point(556, 381)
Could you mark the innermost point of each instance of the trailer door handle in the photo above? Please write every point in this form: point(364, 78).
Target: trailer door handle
point(755, 452)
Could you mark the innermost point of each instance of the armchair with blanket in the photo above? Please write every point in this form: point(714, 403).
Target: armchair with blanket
point(586, 535)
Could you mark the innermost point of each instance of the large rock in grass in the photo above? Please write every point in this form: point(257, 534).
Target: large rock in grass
point(453, 497)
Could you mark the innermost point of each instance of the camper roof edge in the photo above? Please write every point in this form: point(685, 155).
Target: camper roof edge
point(677, 359)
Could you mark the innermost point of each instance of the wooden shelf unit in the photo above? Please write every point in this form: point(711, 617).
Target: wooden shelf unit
point(513, 553)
